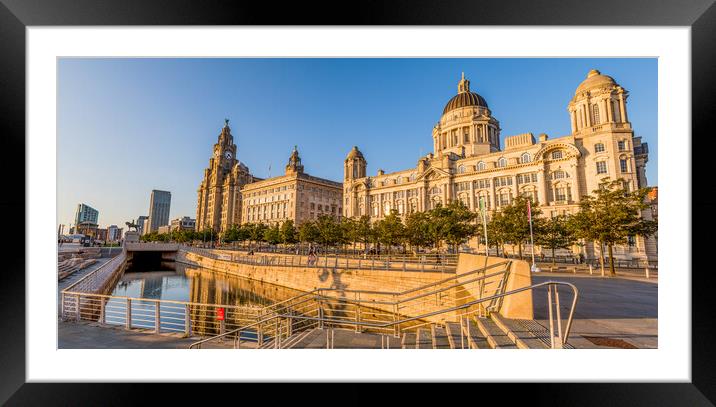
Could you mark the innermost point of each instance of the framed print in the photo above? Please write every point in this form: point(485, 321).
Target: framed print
point(450, 193)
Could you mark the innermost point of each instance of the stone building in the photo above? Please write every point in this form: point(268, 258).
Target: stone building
point(229, 195)
point(294, 196)
point(219, 195)
point(468, 162)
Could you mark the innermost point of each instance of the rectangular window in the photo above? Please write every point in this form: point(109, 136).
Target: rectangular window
point(622, 145)
point(560, 194)
point(601, 167)
point(623, 165)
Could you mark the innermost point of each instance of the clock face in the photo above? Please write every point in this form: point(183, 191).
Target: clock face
point(227, 155)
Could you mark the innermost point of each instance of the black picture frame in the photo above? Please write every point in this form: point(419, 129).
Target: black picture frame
point(16, 15)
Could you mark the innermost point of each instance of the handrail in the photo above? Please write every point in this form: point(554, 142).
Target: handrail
point(426, 315)
point(97, 270)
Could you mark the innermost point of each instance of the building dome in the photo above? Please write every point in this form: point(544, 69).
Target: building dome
point(464, 97)
point(595, 80)
point(354, 153)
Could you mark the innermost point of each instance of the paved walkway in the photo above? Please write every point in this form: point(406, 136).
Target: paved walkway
point(74, 335)
point(614, 308)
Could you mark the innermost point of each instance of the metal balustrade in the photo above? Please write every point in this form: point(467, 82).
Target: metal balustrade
point(280, 327)
point(190, 318)
point(381, 312)
point(423, 263)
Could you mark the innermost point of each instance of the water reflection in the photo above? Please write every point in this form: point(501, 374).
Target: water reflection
point(195, 284)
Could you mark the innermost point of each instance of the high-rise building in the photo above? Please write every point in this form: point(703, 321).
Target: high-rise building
point(86, 216)
point(469, 165)
point(159, 203)
point(140, 224)
point(219, 195)
point(114, 233)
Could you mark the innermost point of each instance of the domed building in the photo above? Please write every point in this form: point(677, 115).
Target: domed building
point(469, 164)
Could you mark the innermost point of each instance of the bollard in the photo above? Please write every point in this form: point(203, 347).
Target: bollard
point(590, 270)
point(574, 270)
point(646, 270)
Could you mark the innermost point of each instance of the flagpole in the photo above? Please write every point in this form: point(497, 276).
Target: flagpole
point(535, 269)
point(484, 226)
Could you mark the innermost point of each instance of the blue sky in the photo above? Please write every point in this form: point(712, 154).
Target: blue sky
point(127, 126)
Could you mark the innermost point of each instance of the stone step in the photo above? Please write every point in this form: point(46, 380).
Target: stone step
point(475, 338)
point(440, 338)
point(408, 341)
point(424, 339)
point(518, 333)
point(454, 335)
point(296, 338)
point(495, 336)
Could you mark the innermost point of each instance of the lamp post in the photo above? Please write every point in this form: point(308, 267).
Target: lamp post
point(535, 269)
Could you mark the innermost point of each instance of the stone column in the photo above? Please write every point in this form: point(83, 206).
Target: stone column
point(573, 118)
point(472, 204)
point(541, 187)
point(622, 109)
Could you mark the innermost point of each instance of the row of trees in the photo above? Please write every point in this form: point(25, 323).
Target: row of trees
point(609, 216)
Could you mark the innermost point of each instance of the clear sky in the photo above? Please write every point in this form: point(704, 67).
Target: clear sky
point(127, 126)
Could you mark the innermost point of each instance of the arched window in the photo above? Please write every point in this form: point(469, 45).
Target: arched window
point(502, 162)
point(481, 166)
point(399, 180)
point(412, 177)
point(624, 164)
point(525, 158)
point(557, 154)
point(461, 169)
point(599, 148)
point(595, 115)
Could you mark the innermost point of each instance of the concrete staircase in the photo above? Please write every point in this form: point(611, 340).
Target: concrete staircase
point(494, 332)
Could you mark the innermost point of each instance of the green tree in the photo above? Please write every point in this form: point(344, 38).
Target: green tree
point(452, 223)
point(308, 232)
point(231, 234)
point(390, 230)
point(610, 215)
point(254, 232)
point(288, 233)
point(417, 229)
point(365, 231)
point(272, 234)
point(460, 225)
point(555, 233)
point(515, 222)
point(329, 231)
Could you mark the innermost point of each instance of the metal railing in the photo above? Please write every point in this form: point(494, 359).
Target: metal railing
point(424, 263)
point(190, 318)
point(97, 279)
point(360, 308)
point(283, 322)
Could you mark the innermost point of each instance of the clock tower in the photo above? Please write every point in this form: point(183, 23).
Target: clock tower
point(219, 198)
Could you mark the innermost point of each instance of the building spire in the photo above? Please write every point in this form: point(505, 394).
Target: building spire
point(464, 85)
point(226, 123)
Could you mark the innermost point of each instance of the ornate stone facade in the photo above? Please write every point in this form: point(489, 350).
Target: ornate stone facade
point(229, 195)
point(294, 196)
point(468, 164)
